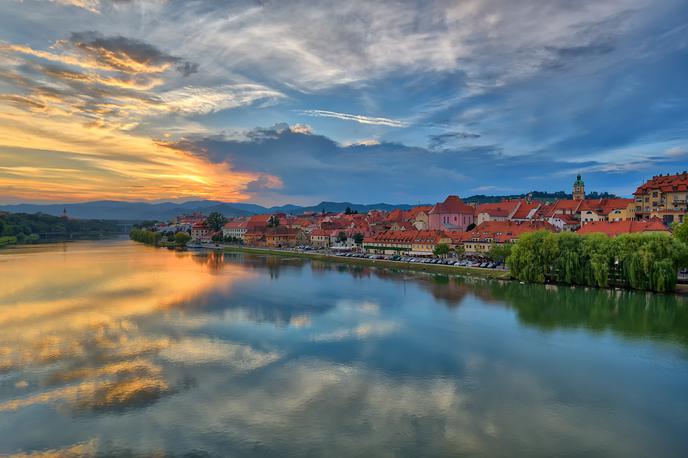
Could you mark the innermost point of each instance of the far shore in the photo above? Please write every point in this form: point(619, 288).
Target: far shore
point(436, 268)
point(499, 274)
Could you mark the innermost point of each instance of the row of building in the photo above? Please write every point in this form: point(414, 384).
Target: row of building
point(476, 228)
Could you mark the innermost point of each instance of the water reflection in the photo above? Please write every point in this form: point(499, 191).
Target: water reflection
point(68, 320)
point(132, 350)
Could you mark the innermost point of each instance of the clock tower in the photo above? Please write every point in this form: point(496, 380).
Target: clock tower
point(578, 189)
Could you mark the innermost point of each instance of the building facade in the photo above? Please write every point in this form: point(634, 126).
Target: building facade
point(451, 215)
point(663, 197)
point(234, 229)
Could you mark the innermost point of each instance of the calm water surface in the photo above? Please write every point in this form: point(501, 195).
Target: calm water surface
point(113, 348)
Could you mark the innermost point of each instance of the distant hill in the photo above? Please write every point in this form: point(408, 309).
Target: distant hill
point(140, 211)
point(537, 195)
point(341, 206)
point(127, 211)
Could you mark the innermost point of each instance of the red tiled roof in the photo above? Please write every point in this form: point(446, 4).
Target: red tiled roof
point(413, 212)
point(665, 183)
point(567, 219)
point(259, 218)
point(502, 231)
point(395, 215)
point(405, 226)
point(236, 225)
point(614, 228)
point(499, 209)
point(452, 204)
point(406, 237)
point(458, 236)
point(567, 205)
point(525, 208)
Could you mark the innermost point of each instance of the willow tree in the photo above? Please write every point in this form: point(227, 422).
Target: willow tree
point(681, 231)
point(597, 253)
point(650, 261)
point(533, 256)
point(570, 262)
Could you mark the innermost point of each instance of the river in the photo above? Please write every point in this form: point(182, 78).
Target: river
point(119, 349)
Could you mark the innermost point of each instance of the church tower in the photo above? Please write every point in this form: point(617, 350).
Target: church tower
point(578, 189)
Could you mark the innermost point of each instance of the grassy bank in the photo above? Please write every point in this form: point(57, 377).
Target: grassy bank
point(8, 240)
point(435, 268)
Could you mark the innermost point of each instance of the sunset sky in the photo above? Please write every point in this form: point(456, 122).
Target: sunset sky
point(365, 101)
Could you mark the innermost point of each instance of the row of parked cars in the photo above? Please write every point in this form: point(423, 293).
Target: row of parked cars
point(449, 262)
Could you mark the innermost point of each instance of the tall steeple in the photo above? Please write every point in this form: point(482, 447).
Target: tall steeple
point(578, 189)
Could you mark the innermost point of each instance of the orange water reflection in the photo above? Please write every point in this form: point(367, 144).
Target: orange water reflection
point(68, 319)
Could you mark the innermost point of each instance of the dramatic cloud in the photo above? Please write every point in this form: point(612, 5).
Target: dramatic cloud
point(127, 55)
point(395, 172)
point(589, 87)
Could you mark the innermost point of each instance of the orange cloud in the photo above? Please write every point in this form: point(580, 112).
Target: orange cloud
point(70, 126)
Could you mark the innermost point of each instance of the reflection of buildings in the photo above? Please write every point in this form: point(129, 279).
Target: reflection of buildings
point(213, 260)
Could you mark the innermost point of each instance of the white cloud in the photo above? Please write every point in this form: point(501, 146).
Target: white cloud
point(208, 351)
point(204, 100)
point(362, 331)
point(356, 118)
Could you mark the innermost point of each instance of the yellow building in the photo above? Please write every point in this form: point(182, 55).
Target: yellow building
point(663, 197)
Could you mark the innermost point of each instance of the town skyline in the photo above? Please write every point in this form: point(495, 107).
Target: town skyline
point(276, 103)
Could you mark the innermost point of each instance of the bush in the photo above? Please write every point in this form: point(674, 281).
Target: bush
point(182, 238)
point(145, 236)
point(640, 261)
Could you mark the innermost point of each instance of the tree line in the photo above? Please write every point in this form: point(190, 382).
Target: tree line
point(644, 261)
point(25, 227)
point(158, 238)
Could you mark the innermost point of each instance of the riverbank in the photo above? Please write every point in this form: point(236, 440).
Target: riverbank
point(434, 268)
point(8, 240)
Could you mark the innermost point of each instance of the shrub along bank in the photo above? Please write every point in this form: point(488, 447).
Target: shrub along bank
point(145, 236)
point(647, 261)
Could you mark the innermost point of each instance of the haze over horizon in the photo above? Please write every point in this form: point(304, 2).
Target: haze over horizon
point(301, 102)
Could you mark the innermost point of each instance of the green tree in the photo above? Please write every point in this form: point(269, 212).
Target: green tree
point(145, 236)
point(216, 221)
point(568, 266)
point(681, 231)
point(348, 211)
point(470, 227)
point(441, 250)
point(182, 238)
point(273, 221)
point(597, 259)
point(499, 252)
point(341, 237)
point(358, 238)
point(533, 256)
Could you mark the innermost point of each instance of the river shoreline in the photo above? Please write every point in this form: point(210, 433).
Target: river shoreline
point(681, 289)
point(433, 268)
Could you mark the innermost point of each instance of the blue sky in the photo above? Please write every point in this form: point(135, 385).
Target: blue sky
point(297, 102)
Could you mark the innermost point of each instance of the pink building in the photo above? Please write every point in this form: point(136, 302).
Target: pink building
point(451, 215)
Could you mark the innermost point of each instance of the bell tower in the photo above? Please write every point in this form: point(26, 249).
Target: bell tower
point(578, 189)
